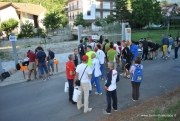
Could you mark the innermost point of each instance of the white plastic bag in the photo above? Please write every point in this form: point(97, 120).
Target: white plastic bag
point(76, 94)
point(66, 87)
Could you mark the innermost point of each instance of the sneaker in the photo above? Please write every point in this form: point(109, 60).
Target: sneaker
point(48, 78)
point(82, 106)
point(155, 58)
point(74, 102)
point(128, 76)
point(166, 58)
point(102, 79)
point(114, 109)
point(123, 74)
point(94, 85)
point(89, 110)
point(43, 79)
point(175, 59)
point(28, 80)
point(98, 93)
point(133, 99)
point(105, 112)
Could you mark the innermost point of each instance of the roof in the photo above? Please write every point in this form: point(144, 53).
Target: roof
point(24, 7)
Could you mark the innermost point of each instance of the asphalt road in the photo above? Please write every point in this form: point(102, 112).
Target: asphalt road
point(46, 101)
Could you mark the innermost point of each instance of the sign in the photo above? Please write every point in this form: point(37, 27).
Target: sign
point(95, 37)
point(128, 34)
point(12, 38)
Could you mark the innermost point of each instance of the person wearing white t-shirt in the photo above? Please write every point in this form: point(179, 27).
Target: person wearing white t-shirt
point(92, 44)
point(85, 84)
point(101, 57)
point(95, 74)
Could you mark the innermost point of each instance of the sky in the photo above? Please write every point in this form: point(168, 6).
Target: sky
point(173, 1)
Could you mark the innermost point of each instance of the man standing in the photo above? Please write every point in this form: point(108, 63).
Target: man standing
point(84, 83)
point(110, 86)
point(89, 53)
point(70, 73)
point(41, 63)
point(165, 42)
point(170, 45)
point(32, 64)
point(112, 55)
point(95, 74)
point(134, 50)
point(36, 51)
point(92, 44)
point(145, 49)
point(76, 57)
point(101, 57)
point(81, 50)
point(50, 59)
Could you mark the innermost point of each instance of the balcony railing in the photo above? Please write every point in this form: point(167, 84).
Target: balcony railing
point(74, 7)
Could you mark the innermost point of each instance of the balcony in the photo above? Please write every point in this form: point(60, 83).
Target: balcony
point(74, 7)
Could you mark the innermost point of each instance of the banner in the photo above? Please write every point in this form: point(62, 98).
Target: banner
point(128, 34)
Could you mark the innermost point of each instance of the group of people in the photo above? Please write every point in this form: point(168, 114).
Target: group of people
point(38, 59)
point(90, 70)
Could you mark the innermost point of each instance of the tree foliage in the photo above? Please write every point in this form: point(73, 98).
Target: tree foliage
point(143, 15)
point(98, 21)
point(80, 21)
point(163, 2)
point(109, 19)
point(9, 25)
point(121, 13)
point(53, 20)
point(27, 29)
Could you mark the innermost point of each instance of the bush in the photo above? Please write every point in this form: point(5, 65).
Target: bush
point(27, 29)
point(39, 32)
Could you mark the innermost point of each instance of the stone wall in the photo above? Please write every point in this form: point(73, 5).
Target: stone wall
point(35, 41)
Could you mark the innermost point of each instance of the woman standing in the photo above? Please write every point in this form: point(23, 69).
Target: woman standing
point(176, 47)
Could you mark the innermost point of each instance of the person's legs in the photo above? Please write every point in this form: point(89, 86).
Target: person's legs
point(79, 101)
point(29, 75)
point(108, 96)
point(175, 52)
point(92, 82)
point(45, 69)
point(133, 90)
point(86, 87)
point(102, 71)
point(137, 85)
point(52, 65)
point(41, 68)
point(114, 99)
point(98, 87)
point(146, 53)
point(71, 88)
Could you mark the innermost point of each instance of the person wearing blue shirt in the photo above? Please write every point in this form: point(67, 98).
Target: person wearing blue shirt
point(50, 60)
point(134, 50)
point(170, 45)
point(165, 43)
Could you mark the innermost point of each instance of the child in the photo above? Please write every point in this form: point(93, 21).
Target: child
point(137, 77)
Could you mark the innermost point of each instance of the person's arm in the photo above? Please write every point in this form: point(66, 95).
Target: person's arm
point(72, 72)
point(108, 83)
point(89, 72)
point(75, 78)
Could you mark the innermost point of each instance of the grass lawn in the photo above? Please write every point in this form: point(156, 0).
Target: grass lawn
point(172, 114)
point(154, 35)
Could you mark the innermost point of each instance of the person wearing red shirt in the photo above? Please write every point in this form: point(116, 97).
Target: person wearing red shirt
point(32, 64)
point(70, 73)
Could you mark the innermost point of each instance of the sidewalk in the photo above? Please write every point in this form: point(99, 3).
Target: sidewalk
point(18, 76)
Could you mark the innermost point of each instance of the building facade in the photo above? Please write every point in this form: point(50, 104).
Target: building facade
point(90, 9)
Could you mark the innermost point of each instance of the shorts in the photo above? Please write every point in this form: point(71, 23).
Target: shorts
point(164, 48)
point(32, 65)
point(127, 66)
point(42, 67)
point(51, 64)
point(152, 49)
point(169, 48)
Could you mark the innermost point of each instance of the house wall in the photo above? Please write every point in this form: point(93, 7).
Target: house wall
point(40, 18)
point(4, 14)
point(27, 17)
point(106, 5)
point(105, 14)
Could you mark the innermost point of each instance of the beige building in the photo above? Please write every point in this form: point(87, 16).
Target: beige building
point(90, 9)
point(22, 12)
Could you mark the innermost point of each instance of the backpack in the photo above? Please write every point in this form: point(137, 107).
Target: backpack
point(138, 74)
point(81, 49)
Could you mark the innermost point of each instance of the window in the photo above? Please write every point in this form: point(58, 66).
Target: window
point(89, 13)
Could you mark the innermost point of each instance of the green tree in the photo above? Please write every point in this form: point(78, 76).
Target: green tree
point(80, 21)
point(121, 11)
point(53, 21)
point(157, 16)
point(164, 2)
point(109, 19)
point(141, 14)
point(98, 21)
point(27, 29)
point(9, 25)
